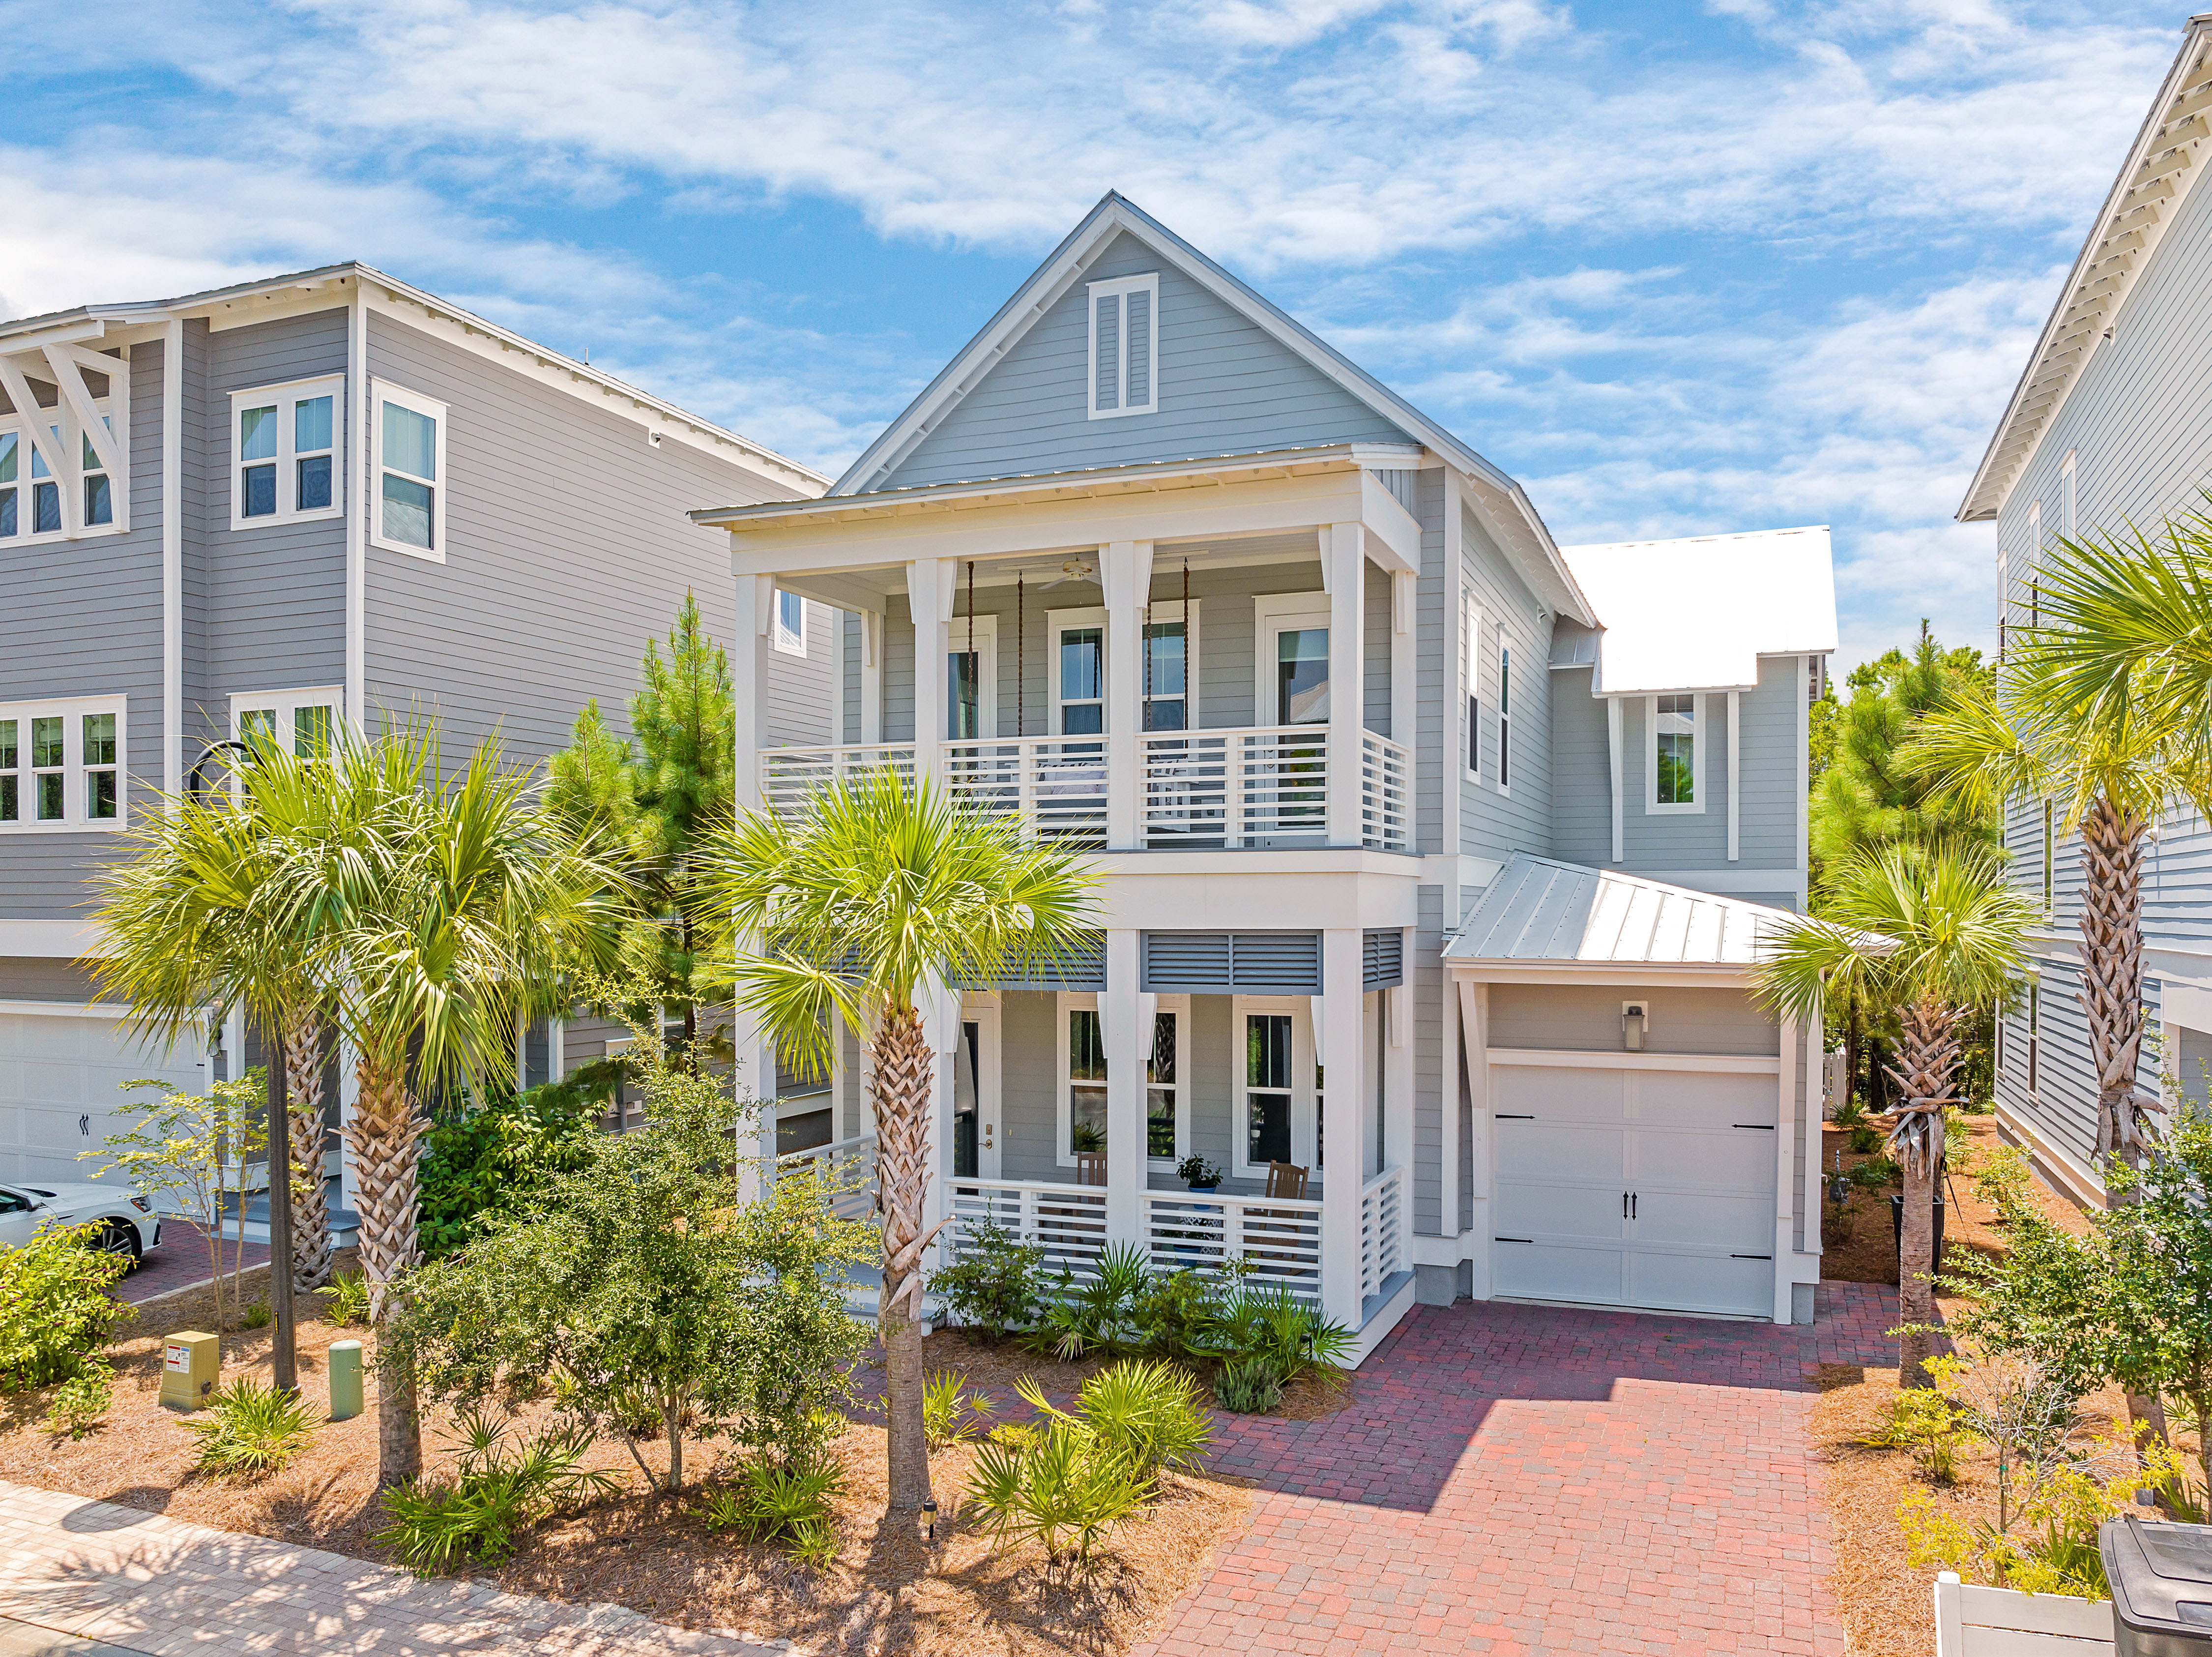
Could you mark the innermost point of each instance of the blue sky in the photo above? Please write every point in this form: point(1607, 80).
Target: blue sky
point(1680, 268)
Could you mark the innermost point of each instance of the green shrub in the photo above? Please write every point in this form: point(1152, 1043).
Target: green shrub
point(259, 1316)
point(1250, 1387)
point(55, 1314)
point(1850, 1113)
point(1921, 1420)
point(1269, 1322)
point(2003, 1179)
point(80, 1404)
point(1062, 1488)
point(1865, 1141)
point(1875, 1173)
point(787, 1504)
point(346, 1300)
point(1103, 1313)
point(814, 1542)
point(1140, 1410)
point(497, 1157)
point(1175, 1312)
point(949, 1414)
point(993, 1286)
point(249, 1429)
point(503, 1488)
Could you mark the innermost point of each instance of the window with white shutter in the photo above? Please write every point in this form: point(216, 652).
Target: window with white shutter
point(1125, 347)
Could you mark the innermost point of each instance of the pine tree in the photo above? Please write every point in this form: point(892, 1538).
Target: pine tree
point(656, 797)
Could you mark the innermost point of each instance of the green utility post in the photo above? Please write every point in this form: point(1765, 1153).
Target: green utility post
point(345, 1380)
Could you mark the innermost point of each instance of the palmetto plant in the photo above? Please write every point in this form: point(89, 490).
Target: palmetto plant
point(1933, 932)
point(856, 913)
point(2086, 719)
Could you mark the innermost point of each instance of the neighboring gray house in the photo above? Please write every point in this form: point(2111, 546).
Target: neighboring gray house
point(2109, 426)
point(326, 495)
point(1435, 854)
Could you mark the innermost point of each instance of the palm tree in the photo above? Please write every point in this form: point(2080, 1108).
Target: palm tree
point(453, 907)
point(2074, 721)
point(192, 927)
point(854, 913)
point(1933, 932)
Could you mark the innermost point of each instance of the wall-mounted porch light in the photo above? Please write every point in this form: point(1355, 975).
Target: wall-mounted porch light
point(1635, 1023)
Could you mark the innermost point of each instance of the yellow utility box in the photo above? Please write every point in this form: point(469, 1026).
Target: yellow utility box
point(191, 1367)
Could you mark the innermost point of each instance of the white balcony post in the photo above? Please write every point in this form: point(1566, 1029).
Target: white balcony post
point(1404, 591)
point(930, 583)
point(872, 676)
point(755, 1079)
point(1344, 571)
point(1127, 1033)
point(1124, 571)
point(1344, 1062)
point(756, 614)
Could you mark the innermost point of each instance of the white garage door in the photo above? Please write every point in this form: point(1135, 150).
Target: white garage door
point(61, 1090)
point(1638, 1188)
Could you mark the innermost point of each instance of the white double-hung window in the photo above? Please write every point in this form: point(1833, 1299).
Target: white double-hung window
point(790, 623)
point(408, 514)
point(285, 441)
point(1125, 346)
point(62, 764)
point(1673, 759)
point(302, 720)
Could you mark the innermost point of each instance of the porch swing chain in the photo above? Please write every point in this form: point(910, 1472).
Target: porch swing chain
point(974, 664)
point(1021, 665)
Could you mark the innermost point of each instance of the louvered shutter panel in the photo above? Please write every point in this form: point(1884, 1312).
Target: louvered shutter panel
point(1106, 336)
point(1081, 965)
point(1138, 340)
point(1276, 963)
point(1383, 958)
point(1192, 962)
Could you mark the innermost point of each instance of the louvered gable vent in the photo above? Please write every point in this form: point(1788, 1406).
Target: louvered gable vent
point(1082, 966)
point(1222, 963)
point(1124, 346)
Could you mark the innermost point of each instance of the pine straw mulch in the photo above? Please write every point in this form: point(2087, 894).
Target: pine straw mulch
point(1887, 1608)
point(887, 1593)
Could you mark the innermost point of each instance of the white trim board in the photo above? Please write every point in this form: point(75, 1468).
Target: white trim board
point(48, 940)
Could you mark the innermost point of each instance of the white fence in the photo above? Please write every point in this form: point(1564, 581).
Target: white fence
point(1382, 1230)
point(1058, 782)
point(1979, 1621)
point(848, 1165)
point(788, 776)
point(1385, 770)
point(1237, 788)
point(1067, 1222)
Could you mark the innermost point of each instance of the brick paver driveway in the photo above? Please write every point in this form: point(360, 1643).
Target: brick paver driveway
point(1514, 1480)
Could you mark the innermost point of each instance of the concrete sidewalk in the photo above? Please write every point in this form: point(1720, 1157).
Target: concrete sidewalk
point(147, 1584)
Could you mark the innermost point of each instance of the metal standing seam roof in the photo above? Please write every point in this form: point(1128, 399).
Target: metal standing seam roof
point(1537, 909)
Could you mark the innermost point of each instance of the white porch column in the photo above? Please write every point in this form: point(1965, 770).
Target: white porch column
point(1124, 571)
point(1473, 1001)
point(1785, 1158)
point(872, 676)
point(1398, 1074)
point(1343, 572)
point(756, 614)
point(940, 1021)
point(929, 588)
point(755, 1079)
point(1127, 1033)
point(1343, 1061)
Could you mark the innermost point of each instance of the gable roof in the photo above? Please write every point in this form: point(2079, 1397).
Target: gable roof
point(1697, 614)
point(1537, 909)
point(2123, 238)
point(1508, 503)
point(577, 377)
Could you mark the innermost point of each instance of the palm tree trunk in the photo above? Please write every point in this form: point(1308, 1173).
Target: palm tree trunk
point(311, 1217)
point(384, 1137)
point(2111, 969)
point(1928, 1056)
point(904, 1063)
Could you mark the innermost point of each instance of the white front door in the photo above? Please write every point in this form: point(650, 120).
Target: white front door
point(1651, 1188)
point(977, 1121)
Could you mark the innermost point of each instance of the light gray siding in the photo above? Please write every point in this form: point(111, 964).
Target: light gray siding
point(22, 979)
point(1433, 1068)
point(1227, 386)
point(1586, 1018)
point(83, 618)
point(566, 549)
point(1494, 821)
point(275, 595)
point(800, 691)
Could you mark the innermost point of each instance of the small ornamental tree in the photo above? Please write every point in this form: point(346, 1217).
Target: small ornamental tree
point(642, 1282)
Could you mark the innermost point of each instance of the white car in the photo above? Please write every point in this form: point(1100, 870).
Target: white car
point(128, 1224)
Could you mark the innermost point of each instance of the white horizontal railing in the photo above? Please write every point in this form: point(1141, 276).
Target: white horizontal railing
point(1278, 1239)
point(1386, 774)
point(788, 776)
point(1068, 1222)
point(1382, 1228)
point(1243, 790)
point(849, 1166)
point(1240, 789)
point(1058, 782)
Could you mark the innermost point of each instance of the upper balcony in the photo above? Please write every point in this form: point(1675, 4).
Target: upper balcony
point(1248, 690)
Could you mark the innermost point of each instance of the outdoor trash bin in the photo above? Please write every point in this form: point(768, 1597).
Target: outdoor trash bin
point(2161, 1579)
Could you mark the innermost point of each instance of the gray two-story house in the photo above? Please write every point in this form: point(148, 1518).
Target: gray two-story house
point(1435, 856)
point(2109, 426)
point(324, 496)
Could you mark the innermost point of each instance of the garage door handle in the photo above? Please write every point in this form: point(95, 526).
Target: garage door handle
point(1512, 1240)
point(1751, 1256)
point(1512, 1116)
point(1764, 1127)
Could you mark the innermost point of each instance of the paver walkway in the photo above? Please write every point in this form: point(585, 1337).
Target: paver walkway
point(159, 1586)
point(1517, 1481)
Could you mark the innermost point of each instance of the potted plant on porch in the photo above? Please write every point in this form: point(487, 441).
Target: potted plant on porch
point(1198, 1174)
